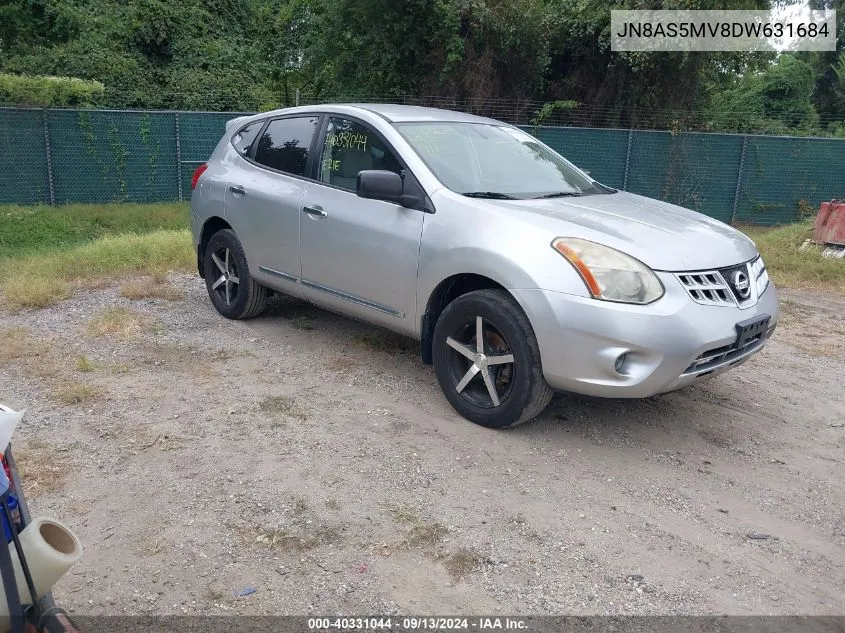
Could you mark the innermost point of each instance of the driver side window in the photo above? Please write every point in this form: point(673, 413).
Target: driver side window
point(351, 147)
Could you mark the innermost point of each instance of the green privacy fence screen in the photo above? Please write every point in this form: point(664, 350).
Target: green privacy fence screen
point(98, 156)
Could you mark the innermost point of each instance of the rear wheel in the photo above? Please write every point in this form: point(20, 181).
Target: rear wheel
point(232, 290)
point(487, 360)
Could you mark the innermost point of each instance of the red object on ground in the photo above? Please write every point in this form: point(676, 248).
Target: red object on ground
point(830, 223)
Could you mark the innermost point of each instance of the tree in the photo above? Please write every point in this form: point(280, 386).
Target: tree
point(829, 90)
point(775, 100)
point(248, 55)
point(632, 88)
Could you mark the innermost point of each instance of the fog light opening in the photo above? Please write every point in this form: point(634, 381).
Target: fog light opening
point(619, 365)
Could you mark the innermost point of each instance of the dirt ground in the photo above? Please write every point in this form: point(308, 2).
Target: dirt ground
point(313, 459)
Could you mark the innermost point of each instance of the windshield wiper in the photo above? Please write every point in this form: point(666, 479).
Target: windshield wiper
point(560, 194)
point(488, 194)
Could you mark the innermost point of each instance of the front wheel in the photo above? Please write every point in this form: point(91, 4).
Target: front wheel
point(487, 360)
point(231, 288)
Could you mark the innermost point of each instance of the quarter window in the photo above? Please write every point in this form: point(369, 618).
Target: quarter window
point(351, 147)
point(244, 137)
point(285, 144)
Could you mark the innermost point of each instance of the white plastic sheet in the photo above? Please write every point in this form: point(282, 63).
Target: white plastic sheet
point(9, 421)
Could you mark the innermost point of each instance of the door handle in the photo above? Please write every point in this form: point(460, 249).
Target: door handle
point(238, 190)
point(314, 211)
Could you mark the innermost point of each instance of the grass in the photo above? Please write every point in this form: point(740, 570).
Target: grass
point(286, 541)
point(404, 514)
point(462, 563)
point(75, 392)
point(38, 358)
point(152, 547)
point(55, 250)
point(790, 268)
point(44, 279)
point(83, 364)
point(34, 229)
point(39, 470)
point(121, 323)
point(17, 343)
point(155, 287)
point(426, 534)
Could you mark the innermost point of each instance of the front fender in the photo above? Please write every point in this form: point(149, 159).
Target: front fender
point(528, 262)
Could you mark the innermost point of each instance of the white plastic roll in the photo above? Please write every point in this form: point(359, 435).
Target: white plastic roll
point(50, 549)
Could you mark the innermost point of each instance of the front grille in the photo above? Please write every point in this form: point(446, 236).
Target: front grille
point(712, 358)
point(720, 287)
point(708, 288)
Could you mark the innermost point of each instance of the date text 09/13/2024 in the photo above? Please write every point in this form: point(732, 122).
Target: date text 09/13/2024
point(415, 623)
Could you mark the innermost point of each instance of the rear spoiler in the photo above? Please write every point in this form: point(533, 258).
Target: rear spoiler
point(231, 122)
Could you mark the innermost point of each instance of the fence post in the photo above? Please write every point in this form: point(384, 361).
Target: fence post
point(739, 176)
point(49, 156)
point(628, 160)
point(178, 155)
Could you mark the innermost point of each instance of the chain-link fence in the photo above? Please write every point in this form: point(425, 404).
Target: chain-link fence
point(58, 156)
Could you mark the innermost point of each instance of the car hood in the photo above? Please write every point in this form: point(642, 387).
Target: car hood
point(664, 236)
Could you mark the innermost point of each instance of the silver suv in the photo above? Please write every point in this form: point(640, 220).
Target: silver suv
point(518, 273)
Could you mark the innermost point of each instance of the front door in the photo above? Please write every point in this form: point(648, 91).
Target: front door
point(359, 256)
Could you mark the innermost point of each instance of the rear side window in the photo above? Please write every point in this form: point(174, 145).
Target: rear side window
point(242, 140)
point(286, 143)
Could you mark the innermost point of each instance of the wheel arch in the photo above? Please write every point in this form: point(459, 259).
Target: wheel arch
point(443, 294)
point(209, 228)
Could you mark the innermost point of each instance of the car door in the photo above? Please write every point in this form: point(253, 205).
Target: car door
point(265, 197)
point(359, 256)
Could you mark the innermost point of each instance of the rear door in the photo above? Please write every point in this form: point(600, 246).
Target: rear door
point(265, 196)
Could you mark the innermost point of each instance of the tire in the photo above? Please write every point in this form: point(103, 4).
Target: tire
point(520, 387)
point(246, 298)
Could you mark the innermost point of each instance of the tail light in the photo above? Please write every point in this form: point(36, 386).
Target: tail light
point(197, 173)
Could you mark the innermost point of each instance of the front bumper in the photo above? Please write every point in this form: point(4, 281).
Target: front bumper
point(669, 344)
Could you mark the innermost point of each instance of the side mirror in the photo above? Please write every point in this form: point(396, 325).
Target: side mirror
point(377, 184)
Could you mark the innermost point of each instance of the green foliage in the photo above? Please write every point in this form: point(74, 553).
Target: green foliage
point(548, 110)
point(631, 88)
point(250, 55)
point(775, 100)
point(154, 27)
point(790, 267)
point(31, 229)
point(345, 51)
point(501, 49)
point(49, 91)
point(837, 96)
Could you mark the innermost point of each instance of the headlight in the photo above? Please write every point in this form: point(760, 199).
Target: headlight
point(609, 274)
point(759, 275)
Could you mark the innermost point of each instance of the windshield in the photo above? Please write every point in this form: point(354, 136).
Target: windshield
point(494, 161)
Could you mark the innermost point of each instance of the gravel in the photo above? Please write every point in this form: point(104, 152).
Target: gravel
point(312, 459)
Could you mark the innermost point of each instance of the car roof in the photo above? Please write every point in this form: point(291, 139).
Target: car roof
point(394, 113)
